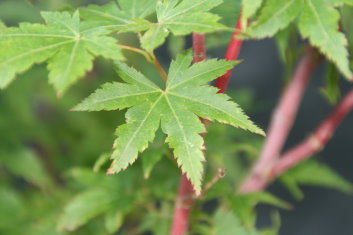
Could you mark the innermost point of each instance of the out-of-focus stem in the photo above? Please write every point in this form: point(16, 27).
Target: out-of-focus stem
point(183, 207)
point(282, 121)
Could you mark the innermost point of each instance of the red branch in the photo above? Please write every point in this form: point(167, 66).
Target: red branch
point(185, 197)
point(317, 140)
point(282, 122)
point(231, 54)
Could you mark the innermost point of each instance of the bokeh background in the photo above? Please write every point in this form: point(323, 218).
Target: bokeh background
point(32, 117)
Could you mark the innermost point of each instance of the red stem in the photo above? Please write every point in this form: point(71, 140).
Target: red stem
point(185, 198)
point(183, 206)
point(282, 122)
point(231, 54)
point(198, 45)
point(317, 140)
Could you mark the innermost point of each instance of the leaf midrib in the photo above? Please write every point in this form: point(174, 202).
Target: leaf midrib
point(35, 35)
point(184, 135)
point(70, 62)
point(124, 96)
point(35, 51)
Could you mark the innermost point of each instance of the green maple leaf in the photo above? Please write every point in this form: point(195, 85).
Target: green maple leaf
point(176, 108)
point(68, 45)
point(318, 22)
point(181, 17)
point(127, 16)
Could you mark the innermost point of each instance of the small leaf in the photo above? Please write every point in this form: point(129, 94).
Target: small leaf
point(84, 207)
point(318, 174)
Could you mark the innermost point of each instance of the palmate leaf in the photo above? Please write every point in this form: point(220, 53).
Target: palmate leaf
point(68, 45)
point(176, 109)
point(318, 22)
point(127, 16)
point(181, 17)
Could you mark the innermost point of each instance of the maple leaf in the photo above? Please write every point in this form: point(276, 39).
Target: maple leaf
point(127, 16)
point(68, 45)
point(318, 22)
point(176, 109)
point(181, 17)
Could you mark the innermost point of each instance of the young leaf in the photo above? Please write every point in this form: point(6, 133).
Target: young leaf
point(314, 173)
point(181, 17)
point(175, 108)
point(319, 23)
point(128, 17)
point(68, 45)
